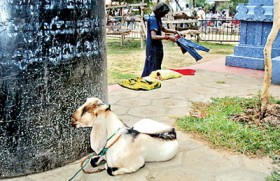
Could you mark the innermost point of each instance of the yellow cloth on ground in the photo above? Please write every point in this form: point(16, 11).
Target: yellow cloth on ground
point(164, 74)
point(140, 84)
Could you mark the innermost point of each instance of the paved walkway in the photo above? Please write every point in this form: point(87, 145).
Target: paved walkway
point(196, 161)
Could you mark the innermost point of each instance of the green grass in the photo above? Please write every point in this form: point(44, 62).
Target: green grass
point(215, 48)
point(114, 46)
point(120, 76)
point(217, 128)
point(273, 177)
point(218, 48)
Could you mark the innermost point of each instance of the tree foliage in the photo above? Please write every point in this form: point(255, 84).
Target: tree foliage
point(198, 3)
point(135, 1)
point(234, 4)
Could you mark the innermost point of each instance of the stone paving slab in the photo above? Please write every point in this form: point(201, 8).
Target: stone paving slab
point(196, 161)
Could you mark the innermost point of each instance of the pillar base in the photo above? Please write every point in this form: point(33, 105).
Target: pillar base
point(276, 71)
point(245, 62)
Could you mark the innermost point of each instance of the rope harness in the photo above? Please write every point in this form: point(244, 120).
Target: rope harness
point(102, 153)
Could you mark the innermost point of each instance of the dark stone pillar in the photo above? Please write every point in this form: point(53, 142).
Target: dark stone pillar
point(52, 57)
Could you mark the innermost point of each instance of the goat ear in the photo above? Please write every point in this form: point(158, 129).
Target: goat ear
point(81, 110)
point(98, 136)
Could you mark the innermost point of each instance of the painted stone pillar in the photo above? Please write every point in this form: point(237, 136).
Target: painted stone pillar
point(52, 57)
point(256, 22)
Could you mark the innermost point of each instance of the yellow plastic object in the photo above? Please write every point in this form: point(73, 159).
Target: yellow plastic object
point(164, 74)
point(140, 84)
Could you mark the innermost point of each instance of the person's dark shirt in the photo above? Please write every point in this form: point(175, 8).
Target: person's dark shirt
point(155, 24)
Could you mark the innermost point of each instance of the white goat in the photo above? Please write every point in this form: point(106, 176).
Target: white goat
point(127, 149)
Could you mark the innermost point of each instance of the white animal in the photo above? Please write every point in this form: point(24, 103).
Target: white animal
point(126, 149)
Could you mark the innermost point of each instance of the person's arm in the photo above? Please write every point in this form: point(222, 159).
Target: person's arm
point(175, 32)
point(154, 36)
point(165, 30)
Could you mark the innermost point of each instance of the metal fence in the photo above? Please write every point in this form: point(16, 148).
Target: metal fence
point(219, 30)
point(133, 27)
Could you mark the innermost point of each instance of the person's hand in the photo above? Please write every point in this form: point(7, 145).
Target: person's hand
point(177, 37)
point(172, 38)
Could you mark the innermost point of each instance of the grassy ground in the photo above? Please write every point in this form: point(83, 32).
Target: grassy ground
point(127, 61)
point(274, 177)
point(215, 125)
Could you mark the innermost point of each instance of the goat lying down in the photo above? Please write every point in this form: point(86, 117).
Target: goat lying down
point(125, 149)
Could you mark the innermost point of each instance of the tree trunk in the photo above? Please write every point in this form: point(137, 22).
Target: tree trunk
point(267, 56)
point(194, 3)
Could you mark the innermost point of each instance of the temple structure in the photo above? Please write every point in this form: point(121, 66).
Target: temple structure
point(256, 19)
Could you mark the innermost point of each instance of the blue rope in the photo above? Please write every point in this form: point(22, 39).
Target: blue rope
point(82, 167)
point(102, 153)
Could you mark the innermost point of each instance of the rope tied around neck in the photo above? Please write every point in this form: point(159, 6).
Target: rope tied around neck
point(102, 153)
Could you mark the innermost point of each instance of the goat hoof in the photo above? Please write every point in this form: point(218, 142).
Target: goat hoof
point(110, 170)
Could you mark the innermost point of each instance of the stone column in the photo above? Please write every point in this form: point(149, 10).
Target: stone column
point(52, 57)
point(256, 22)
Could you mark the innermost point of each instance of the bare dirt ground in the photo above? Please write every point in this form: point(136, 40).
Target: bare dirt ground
point(253, 116)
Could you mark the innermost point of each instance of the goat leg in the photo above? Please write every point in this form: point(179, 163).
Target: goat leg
point(97, 161)
point(97, 165)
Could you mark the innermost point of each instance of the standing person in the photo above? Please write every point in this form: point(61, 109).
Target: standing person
point(201, 19)
point(154, 47)
point(217, 17)
point(188, 11)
